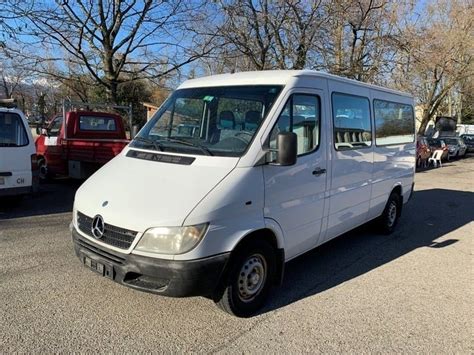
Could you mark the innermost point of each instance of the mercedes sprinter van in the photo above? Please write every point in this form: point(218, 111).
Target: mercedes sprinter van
point(237, 174)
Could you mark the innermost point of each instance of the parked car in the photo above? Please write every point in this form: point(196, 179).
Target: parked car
point(456, 147)
point(423, 152)
point(436, 144)
point(18, 163)
point(469, 141)
point(216, 211)
point(90, 140)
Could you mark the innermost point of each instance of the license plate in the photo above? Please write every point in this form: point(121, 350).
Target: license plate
point(104, 270)
point(2, 181)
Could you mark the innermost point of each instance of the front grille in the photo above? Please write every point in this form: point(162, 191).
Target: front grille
point(113, 235)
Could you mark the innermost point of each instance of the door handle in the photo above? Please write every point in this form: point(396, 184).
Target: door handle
point(319, 171)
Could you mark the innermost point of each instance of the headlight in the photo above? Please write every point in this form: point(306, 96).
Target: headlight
point(171, 240)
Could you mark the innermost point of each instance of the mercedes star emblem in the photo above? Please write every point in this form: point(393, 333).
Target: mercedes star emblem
point(98, 227)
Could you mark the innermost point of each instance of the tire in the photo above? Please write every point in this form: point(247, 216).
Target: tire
point(250, 278)
point(391, 214)
point(43, 169)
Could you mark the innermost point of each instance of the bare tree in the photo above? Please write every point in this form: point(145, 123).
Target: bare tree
point(13, 73)
point(114, 41)
point(358, 42)
point(437, 55)
point(267, 34)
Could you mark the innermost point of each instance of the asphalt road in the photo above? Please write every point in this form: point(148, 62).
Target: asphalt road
point(363, 292)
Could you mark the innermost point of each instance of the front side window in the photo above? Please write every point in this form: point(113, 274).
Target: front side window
point(96, 123)
point(301, 115)
point(218, 121)
point(394, 123)
point(12, 131)
point(351, 117)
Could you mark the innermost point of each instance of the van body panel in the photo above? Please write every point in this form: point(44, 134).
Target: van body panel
point(294, 195)
point(154, 193)
point(351, 174)
point(234, 208)
point(15, 162)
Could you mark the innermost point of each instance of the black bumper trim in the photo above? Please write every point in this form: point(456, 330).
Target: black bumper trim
point(173, 278)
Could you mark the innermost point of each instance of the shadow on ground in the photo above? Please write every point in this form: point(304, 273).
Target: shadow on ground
point(56, 196)
point(431, 214)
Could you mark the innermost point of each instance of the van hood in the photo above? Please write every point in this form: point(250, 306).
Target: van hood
point(137, 194)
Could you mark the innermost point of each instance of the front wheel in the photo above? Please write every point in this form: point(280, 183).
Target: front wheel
point(250, 279)
point(389, 218)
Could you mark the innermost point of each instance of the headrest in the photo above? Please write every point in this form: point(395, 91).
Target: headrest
point(252, 119)
point(227, 120)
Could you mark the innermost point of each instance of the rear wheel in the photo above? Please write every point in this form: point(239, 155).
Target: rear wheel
point(389, 218)
point(249, 280)
point(43, 169)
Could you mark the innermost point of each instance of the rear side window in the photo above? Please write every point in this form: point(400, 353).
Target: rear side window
point(352, 127)
point(12, 130)
point(96, 123)
point(394, 123)
point(301, 115)
point(55, 126)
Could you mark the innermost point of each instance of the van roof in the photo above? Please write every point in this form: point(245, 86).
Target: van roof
point(272, 77)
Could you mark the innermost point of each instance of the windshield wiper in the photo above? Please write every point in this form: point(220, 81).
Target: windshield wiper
point(204, 149)
point(154, 143)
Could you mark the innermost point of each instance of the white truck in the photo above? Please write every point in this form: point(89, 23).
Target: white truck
point(276, 163)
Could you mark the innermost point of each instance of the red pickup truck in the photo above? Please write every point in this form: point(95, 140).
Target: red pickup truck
point(83, 145)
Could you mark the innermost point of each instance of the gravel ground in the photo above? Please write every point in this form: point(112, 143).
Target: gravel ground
point(363, 292)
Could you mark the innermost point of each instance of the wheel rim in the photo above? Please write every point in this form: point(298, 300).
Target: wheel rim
point(392, 213)
point(252, 277)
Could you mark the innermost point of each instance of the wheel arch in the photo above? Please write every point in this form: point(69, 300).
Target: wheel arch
point(264, 234)
point(397, 188)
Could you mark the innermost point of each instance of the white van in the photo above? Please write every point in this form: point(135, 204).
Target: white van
point(236, 174)
point(18, 174)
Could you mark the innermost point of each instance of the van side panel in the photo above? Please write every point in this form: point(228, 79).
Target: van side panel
point(394, 165)
point(351, 174)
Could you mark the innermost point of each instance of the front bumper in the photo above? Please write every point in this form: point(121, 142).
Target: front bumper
point(166, 277)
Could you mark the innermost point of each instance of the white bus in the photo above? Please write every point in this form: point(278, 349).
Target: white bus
point(237, 174)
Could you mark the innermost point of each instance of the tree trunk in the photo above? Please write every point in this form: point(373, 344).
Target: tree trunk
point(424, 122)
point(112, 92)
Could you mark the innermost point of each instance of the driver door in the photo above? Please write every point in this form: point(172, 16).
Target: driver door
point(295, 195)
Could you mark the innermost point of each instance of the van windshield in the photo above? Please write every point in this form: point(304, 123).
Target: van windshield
point(219, 121)
point(12, 131)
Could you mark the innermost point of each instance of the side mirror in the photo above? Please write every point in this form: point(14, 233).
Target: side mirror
point(286, 148)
